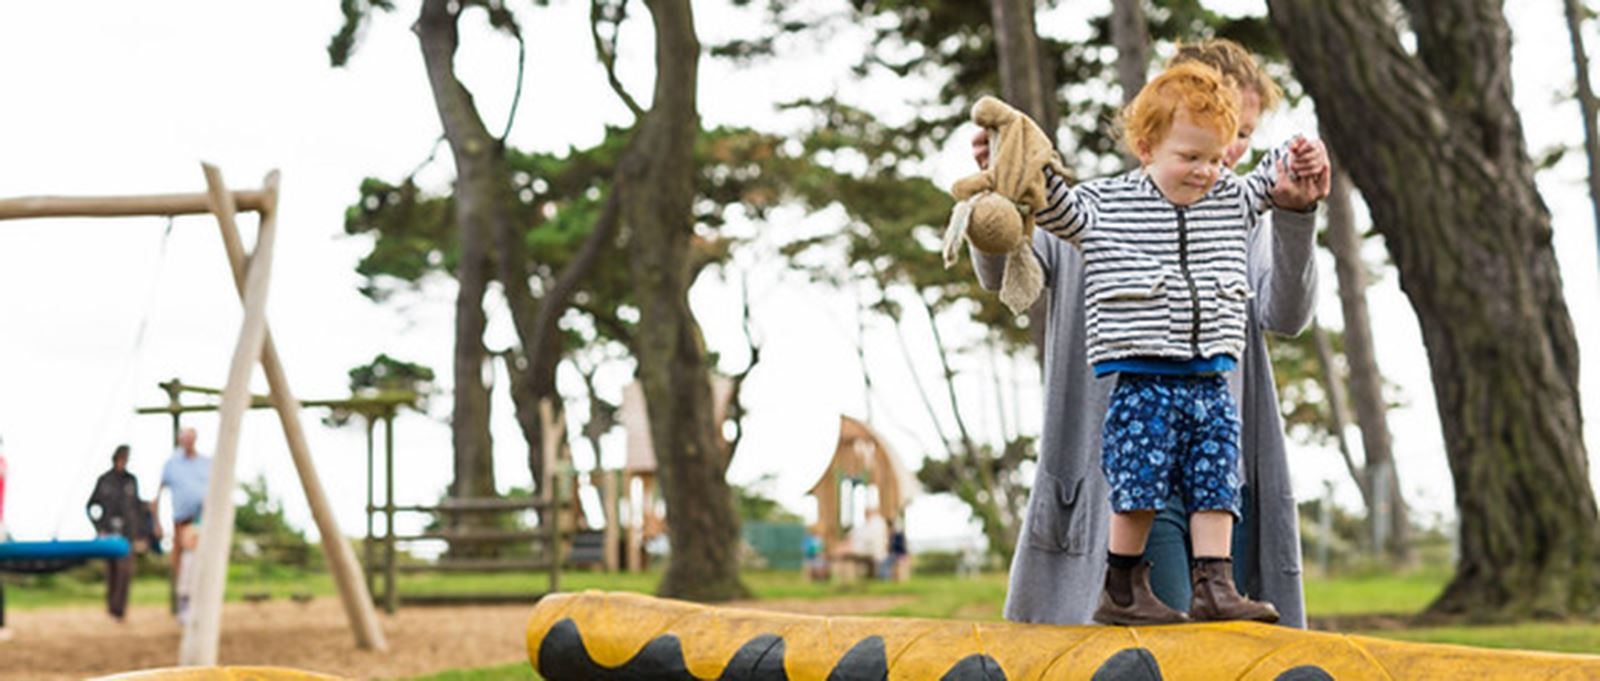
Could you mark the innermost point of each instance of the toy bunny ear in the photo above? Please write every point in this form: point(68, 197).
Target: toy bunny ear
point(990, 112)
point(960, 217)
point(1023, 280)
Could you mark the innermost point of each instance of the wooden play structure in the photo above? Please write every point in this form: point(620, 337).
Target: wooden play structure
point(251, 275)
point(381, 408)
point(546, 543)
point(644, 519)
point(593, 635)
point(863, 474)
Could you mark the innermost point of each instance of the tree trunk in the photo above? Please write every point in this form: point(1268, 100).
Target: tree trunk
point(1028, 83)
point(1587, 104)
point(480, 191)
point(659, 171)
point(1366, 382)
point(1131, 36)
point(1436, 148)
point(1025, 79)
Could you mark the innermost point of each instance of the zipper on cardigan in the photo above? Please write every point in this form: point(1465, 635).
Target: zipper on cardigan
point(1194, 293)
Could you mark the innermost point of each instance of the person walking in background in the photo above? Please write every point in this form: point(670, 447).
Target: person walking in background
point(187, 473)
point(184, 541)
point(115, 510)
point(816, 565)
point(899, 558)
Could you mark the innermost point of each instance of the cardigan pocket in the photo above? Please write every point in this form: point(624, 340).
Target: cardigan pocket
point(1147, 282)
point(1129, 308)
point(1228, 310)
point(1057, 521)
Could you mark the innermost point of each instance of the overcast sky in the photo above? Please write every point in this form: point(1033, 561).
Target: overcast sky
point(124, 98)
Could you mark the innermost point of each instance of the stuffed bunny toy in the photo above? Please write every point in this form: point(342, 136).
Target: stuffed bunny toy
point(994, 207)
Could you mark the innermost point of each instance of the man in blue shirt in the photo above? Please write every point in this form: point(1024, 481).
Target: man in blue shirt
point(187, 474)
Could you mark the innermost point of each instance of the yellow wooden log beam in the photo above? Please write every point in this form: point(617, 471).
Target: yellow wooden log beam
point(575, 636)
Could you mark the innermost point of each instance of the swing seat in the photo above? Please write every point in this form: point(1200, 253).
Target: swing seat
point(53, 556)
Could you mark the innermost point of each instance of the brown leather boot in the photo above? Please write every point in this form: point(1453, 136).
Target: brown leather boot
point(1143, 609)
point(1215, 597)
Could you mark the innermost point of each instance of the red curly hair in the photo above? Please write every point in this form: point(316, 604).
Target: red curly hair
point(1195, 88)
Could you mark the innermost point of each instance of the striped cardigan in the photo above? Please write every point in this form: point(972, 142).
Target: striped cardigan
point(1162, 281)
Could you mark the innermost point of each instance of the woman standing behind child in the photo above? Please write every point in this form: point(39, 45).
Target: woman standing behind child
point(1165, 280)
point(1059, 569)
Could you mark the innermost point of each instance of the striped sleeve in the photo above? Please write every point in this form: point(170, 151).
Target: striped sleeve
point(1069, 212)
point(1258, 182)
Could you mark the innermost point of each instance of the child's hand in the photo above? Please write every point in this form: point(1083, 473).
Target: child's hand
point(1307, 158)
point(1305, 179)
point(980, 148)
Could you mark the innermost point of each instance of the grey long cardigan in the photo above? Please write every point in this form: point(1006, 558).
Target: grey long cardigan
point(1059, 566)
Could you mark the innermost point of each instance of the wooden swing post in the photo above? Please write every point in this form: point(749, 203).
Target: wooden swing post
point(353, 593)
point(203, 631)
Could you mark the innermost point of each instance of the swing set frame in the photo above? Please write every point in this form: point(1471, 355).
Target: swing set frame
point(251, 276)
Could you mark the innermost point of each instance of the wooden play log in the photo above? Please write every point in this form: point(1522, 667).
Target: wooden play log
point(202, 632)
point(353, 593)
point(596, 635)
point(121, 206)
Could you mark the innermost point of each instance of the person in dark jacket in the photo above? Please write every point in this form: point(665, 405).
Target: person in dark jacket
point(115, 510)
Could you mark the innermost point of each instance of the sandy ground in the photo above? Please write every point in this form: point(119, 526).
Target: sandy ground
point(74, 643)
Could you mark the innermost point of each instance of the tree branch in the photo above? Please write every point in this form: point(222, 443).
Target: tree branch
point(1006, 431)
point(949, 379)
point(916, 379)
point(736, 410)
point(1336, 409)
point(556, 299)
point(516, 96)
point(607, 52)
point(608, 321)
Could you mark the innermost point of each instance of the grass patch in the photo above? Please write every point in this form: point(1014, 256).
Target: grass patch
point(978, 598)
point(937, 596)
point(1555, 637)
point(518, 671)
point(1375, 592)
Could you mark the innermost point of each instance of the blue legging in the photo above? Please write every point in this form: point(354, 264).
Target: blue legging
point(1168, 551)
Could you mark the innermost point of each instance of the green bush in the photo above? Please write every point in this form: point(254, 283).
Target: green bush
point(935, 562)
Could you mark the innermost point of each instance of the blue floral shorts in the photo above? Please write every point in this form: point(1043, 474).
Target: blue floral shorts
point(1172, 432)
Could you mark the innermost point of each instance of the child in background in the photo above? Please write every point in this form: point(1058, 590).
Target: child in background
point(1165, 253)
point(188, 539)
